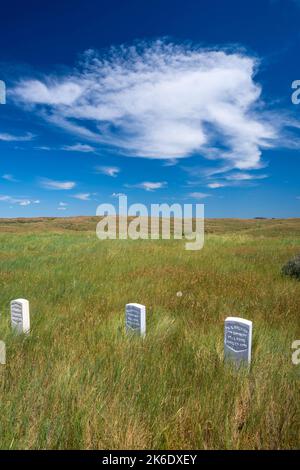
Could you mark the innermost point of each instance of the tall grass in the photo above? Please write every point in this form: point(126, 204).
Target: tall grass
point(77, 381)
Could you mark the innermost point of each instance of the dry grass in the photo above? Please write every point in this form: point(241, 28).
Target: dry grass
point(78, 382)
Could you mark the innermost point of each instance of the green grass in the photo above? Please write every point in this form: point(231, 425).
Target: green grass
point(77, 381)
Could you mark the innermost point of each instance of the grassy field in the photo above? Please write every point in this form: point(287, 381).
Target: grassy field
point(78, 382)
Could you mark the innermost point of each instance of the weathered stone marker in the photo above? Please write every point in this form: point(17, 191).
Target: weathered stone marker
point(135, 318)
point(238, 340)
point(2, 353)
point(19, 310)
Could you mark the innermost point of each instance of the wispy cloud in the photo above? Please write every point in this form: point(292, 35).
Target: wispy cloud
point(56, 185)
point(148, 185)
point(235, 179)
point(16, 138)
point(25, 203)
point(63, 204)
point(10, 178)
point(170, 162)
point(223, 176)
point(54, 93)
point(244, 177)
point(84, 148)
point(43, 147)
point(118, 194)
point(162, 101)
point(216, 185)
point(82, 196)
point(197, 195)
point(18, 200)
point(108, 170)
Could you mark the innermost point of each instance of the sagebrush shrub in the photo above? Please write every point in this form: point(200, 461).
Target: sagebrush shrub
point(292, 267)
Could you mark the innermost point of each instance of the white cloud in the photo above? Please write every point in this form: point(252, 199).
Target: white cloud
point(21, 201)
point(244, 177)
point(10, 178)
point(62, 204)
point(197, 195)
point(82, 196)
point(170, 162)
point(52, 93)
point(58, 185)
point(118, 194)
point(25, 203)
point(43, 147)
point(148, 186)
point(215, 185)
point(61, 208)
point(108, 170)
point(160, 101)
point(79, 148)
point(235, 179)
point(16, 138)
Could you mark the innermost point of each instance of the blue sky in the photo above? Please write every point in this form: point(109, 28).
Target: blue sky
point(164, 101)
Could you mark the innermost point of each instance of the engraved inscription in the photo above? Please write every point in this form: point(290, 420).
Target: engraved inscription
point(133, 318)
point(237, 339)
point(236, 336)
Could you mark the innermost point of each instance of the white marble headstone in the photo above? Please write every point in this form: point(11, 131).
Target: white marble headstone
point(19, 310)
point(238, 340)
point(135, 318)
point(2, 353)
